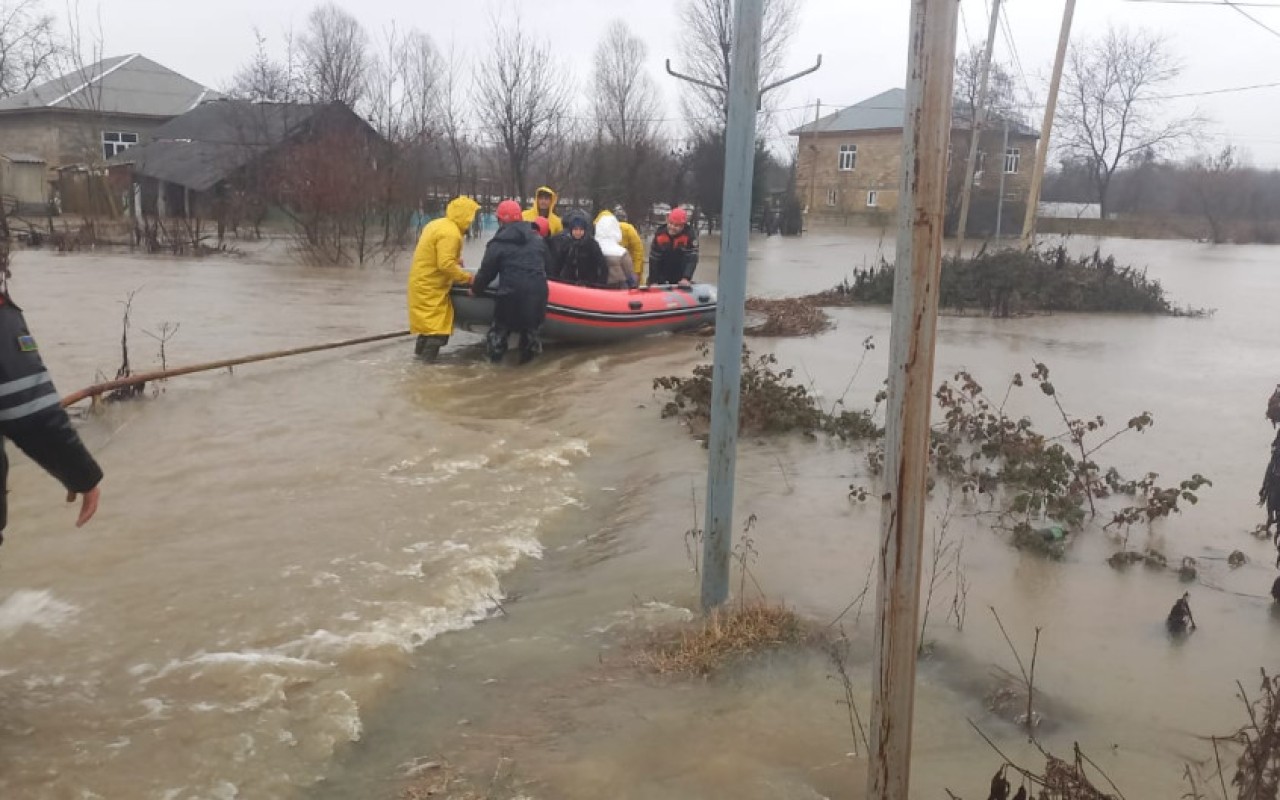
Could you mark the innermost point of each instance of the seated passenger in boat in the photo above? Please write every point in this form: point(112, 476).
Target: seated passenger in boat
point(575, 253)
point(622, 272)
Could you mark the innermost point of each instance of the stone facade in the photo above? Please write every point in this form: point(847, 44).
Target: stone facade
point(64, 137)
point(862, 184)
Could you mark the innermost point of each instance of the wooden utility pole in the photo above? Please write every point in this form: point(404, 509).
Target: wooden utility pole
point(1004, 150)
point(813, 162)
point(976, 124)
point(1042, 147)
point(921, 216)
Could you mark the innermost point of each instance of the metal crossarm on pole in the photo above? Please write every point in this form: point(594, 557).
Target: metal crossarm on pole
point(921, 216)
point(743, 95)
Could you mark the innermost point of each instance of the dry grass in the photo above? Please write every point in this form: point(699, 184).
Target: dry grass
point(792, 316)
point(725, 637)
point(440, 780)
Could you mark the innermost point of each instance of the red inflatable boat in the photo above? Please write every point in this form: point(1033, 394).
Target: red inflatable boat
point(589, 315)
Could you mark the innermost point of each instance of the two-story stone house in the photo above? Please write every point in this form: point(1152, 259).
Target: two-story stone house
point(849, 167)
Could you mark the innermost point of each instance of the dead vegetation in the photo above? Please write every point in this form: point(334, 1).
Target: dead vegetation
point(440, 780)
point(792, 316)
point(727, 636)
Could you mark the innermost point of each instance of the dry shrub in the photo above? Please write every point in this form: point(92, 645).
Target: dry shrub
point(729, 635)
point(792, 316)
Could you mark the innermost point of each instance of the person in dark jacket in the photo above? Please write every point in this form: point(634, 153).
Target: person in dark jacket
point(517, 256)
point(673, 255)
point(31, 417)
point(575, 254)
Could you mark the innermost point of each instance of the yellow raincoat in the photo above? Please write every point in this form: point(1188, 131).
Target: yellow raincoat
point(632, 242)
point(531, 213)
point(437, 265)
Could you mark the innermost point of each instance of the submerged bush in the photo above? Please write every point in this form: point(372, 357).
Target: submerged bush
point(771, 402)
point(1005, 283)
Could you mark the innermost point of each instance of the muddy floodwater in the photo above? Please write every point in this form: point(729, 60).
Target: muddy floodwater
point(292, 588)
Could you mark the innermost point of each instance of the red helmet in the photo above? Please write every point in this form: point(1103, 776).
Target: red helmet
point(508, 211)
point(542, 227)
point(678, 216)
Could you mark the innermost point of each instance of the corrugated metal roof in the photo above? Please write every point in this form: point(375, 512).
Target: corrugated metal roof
point(22, 158)
point(206, 145)
point(131, 84)
point(196, 165)
point(887, 111)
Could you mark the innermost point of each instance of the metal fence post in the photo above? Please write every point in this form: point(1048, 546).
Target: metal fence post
point(921, 213)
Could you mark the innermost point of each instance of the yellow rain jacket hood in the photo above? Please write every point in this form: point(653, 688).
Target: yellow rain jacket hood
point(531, 213)
point(437, 265)
point(631, 241)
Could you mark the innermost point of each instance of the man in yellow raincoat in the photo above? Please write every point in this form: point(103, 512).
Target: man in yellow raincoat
point(437, 266)
point(631, 240)
point(544, 205)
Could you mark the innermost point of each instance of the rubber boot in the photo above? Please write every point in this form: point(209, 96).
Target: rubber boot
point(427, 348)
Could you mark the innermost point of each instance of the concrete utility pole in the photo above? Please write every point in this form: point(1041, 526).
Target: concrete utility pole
point(1042, 148)
point(739, 166)
point(743, 97)
point(921, 215)
point(1004, 150)
point(976, 125)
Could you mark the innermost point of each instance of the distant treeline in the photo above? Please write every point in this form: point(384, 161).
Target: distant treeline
point(1230, 201)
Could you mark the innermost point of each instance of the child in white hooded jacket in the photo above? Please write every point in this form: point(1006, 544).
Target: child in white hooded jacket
point(622, 272)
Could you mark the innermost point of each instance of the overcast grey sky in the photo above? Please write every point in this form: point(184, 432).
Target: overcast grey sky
point(863, 44)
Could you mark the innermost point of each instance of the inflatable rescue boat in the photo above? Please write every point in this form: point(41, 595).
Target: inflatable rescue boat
point(589, 315)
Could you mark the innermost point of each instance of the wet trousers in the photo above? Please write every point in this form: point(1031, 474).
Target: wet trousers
point(520, 310)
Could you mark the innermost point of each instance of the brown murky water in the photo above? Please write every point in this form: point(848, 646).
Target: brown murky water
point(259, 610)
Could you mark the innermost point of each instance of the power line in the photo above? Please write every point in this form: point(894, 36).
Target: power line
point(1253, 19)
point(1007, 30)
point(1206, 3)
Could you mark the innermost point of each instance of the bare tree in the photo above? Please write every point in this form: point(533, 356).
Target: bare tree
point(626, 116)
point(30, 47)
point(1215, 183)
point(334, 56)
point(522, 96)
point(626, 99)
point(1108, 110)
point(1003, 102)
point(262, 79)
point(455, 116)
point(706, 44)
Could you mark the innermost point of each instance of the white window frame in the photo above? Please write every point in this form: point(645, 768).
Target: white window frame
point(873, 198)
point(116, 142)
point(848, 158)
point(1012, 160)
point(833, 197)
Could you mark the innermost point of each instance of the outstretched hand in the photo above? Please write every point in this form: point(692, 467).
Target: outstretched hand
point(88, 504)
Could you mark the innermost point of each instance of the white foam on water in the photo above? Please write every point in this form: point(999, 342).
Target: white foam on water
point(441, 471)
point(33, 608)
point(243, 661)
point(560, 454)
